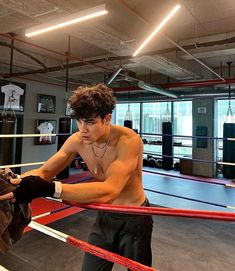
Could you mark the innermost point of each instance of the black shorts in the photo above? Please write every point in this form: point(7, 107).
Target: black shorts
point(124, 234)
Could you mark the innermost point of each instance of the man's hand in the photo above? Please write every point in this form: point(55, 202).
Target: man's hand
point(6, 187)
point(7, 196)
point(29, 188)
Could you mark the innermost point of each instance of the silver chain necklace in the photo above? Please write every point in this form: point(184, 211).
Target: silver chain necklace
point(94, 145)
point(99, 157)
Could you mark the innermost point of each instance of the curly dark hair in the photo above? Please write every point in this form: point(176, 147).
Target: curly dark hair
point(89, 102)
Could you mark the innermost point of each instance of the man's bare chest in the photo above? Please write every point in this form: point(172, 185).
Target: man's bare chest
point(97, 160)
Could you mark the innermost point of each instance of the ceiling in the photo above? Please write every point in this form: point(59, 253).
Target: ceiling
point(189, 57)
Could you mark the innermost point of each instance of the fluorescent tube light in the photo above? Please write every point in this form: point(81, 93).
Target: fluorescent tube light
point(68, 20)
point(158, 90)
point(114, 76)
point(158, 28)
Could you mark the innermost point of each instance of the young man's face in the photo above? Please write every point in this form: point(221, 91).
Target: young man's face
point(92, 130)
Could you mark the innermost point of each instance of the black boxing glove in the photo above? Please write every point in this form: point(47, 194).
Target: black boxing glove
point(32, 187)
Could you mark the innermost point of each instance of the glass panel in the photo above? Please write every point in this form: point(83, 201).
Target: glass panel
point(222, 112)
point(121, 110)
point(153, 116)
point(182, 125)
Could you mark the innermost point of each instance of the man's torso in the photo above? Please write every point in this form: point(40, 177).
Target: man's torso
point(132, 193)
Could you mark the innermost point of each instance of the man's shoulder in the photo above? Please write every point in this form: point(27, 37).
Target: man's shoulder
point(127, 135)
point(73, 143)
point(124, 131)
point(75, 137)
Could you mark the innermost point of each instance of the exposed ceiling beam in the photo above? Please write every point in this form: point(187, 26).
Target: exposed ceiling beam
point(205, 83)
point(4, 44)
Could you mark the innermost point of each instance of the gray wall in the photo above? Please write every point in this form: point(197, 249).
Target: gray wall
point(31, 152)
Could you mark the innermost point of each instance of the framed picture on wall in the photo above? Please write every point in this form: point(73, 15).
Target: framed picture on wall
point(12, 95)
point(45, 128)
point(46, 103)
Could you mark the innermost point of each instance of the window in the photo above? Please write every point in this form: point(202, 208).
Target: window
point(182, 125)
point(222, 112)
point(120, 113)
point(153, 115)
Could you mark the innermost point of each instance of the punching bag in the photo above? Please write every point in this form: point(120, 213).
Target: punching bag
point(7, 145)
point(229, 150)
point(167, 146)
point(64, 128)
point(128, 123)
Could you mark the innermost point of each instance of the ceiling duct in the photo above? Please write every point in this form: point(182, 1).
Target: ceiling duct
point(113, 77)
point(155, 89)
point(126, 75)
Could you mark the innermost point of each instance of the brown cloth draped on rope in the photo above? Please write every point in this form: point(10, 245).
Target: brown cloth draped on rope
point(14, 217)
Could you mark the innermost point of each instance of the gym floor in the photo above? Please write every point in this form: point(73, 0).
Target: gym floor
point(178, 243)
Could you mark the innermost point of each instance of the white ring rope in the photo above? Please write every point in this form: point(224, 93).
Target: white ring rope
point(41, 163)
point(225, 163)
point(230, 185)
point(3, 268)
point(176, 136)
point(44, 135)
point(22, 165)
point(41, 215)
point(230, 139)
point(26, 135)
point(48, 231)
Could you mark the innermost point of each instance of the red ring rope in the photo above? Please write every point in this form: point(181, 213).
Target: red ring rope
point(215, 215)
point(134, 266)
point(99, 252)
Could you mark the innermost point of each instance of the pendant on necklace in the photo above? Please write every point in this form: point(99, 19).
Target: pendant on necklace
point(95, 169)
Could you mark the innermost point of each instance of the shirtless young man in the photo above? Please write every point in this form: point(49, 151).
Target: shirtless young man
point(113, 155)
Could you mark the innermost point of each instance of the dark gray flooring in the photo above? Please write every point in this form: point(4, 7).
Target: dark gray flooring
point(179, 244)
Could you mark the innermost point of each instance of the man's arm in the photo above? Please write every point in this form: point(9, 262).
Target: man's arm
point(117, 176)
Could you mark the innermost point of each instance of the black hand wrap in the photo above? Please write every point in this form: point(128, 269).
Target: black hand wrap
point(32, 187)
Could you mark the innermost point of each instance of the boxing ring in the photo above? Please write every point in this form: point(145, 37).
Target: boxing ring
point(155, 211)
